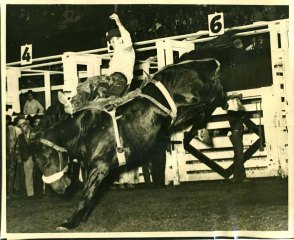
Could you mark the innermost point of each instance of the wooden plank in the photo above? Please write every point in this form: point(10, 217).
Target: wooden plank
point(205, 160)
point(225, 124)
point(221, 155)
point(262, 172)
point(202, 177)
point(258, 162)
point(250, 107)
point(224, 141)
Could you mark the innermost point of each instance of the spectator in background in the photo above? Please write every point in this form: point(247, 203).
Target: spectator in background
point(32, 106)
point(128, 179)
point(270, 13)
point(155, 161)
point(281, 13)
point(257, 46)
point(257, 15)
point(23, 152)
point(24, 16)
point(156, 29)
point(146, 170)
point(133, 25)
point(35, 123)
point(239, 52)
point(235, 117)
point(12, 134)
point(252, 46)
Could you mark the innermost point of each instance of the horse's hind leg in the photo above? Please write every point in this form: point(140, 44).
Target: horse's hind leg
point(86, 205)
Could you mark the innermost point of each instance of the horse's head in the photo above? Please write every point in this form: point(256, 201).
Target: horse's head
point(51, 161)
point(50, 153)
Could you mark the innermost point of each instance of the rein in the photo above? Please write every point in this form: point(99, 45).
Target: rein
point(56, 176)
point(52, 145)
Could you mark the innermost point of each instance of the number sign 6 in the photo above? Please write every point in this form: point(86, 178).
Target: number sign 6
point(216, 24)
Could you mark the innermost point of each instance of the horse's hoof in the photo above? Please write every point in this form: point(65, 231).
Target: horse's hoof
point(62, 229)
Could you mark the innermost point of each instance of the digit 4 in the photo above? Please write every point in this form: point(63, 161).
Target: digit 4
point(26, 55)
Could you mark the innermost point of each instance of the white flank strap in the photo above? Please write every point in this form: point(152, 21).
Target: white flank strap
point(168, 98)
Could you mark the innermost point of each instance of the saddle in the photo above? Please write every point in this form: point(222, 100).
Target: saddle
point(111, 102)
point(109, 106)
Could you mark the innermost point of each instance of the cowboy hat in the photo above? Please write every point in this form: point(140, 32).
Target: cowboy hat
point(234, 102)
point(113, 33)
point(30, 92)
point(235, 95)
point(22, 120)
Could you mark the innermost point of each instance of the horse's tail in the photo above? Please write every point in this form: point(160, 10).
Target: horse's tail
point(218, 48)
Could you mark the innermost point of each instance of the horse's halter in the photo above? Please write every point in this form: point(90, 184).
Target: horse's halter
point(56, 176)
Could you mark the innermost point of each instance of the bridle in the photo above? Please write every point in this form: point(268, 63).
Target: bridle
point(60, 150)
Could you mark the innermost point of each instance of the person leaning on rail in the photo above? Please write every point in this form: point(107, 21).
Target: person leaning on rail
point(32, 105)
point(23, 152)
point(235, 113)
point(119, 74)
point(12, 133)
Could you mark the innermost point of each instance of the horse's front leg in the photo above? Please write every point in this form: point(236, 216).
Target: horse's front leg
point(87, 203)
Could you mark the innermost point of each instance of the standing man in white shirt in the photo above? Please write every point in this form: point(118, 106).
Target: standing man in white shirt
point(32, 105)
point(119, 74)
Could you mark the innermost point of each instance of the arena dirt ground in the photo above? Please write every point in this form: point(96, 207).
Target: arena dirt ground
point(259, 205)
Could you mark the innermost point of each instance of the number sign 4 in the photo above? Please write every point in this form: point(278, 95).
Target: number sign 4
point(216, 24)
point(26, 54)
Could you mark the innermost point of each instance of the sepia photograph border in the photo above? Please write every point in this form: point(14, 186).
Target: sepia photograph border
point(190, 234)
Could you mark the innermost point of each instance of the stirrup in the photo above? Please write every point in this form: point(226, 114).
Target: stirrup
point(121, 157)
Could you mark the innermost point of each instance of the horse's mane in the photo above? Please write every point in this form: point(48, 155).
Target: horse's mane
point(53, 115)
point(71, 129)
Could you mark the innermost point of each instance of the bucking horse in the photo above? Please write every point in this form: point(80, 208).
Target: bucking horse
point(177, 96)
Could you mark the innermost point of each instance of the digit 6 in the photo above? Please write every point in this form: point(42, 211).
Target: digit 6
point(215, 26)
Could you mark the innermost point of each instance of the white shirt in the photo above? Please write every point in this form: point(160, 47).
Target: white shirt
point(33, 107)
point(123, 59)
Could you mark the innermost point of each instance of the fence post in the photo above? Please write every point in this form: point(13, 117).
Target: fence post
point(70, 62)
point(47, 89)
point(277, 136)
point(12, 96)
point(160, 49)
point(70, 72)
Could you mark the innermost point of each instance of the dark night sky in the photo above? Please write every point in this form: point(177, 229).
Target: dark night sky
point(44, 32)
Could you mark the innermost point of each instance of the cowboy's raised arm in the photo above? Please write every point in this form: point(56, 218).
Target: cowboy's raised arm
point(124, 33)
